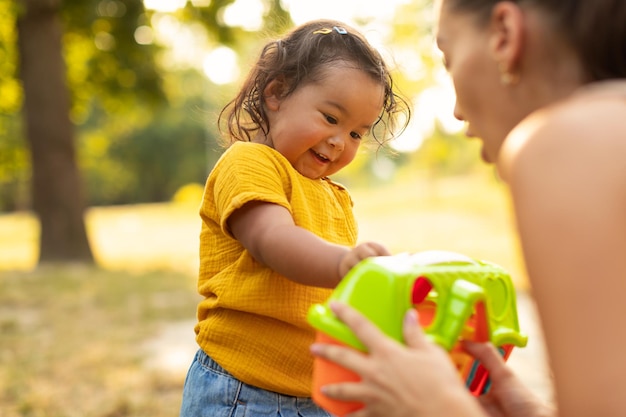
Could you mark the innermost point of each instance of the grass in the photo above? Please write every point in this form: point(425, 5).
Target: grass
point(138, 238)
point(74, 341)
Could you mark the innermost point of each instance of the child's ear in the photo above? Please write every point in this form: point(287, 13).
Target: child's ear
point(273, 94)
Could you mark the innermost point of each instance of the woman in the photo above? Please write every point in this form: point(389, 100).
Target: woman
point(542, 83)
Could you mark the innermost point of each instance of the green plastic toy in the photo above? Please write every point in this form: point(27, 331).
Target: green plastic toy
point(457, 298)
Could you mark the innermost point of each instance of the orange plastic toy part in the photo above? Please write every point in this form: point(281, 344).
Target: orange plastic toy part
point(326, 372)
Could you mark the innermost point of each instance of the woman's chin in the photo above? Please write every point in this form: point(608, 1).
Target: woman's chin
point(485, 156)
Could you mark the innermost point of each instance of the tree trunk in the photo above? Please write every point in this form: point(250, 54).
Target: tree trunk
point(56, 187)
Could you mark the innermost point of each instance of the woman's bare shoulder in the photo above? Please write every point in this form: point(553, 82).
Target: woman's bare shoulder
point(585, 131)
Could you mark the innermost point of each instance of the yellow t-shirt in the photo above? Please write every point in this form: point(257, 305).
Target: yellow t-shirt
point(252, 320)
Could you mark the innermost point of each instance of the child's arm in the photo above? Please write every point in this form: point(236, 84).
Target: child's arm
point(268, 232)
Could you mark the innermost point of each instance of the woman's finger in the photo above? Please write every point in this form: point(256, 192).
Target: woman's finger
point(366, 331)
point(346, 391)
point(489, 357)
point(346, 357)
point(412, 331)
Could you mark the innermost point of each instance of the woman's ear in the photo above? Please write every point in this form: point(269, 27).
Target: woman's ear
point(273, 94)
point(507, 35)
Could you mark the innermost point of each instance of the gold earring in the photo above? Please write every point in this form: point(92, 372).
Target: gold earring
point(507, 78)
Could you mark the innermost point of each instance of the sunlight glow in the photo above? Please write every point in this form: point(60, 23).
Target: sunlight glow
point(348, 11)
point(433, 104)
point(185, 43)
point(372, 17)
point(445, 102)
point(220, 65)
point(418, 129)
point(247, 14)
point(164, 6)
point(144, 35)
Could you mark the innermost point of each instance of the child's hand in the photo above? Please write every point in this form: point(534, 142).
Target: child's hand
point(360, 252)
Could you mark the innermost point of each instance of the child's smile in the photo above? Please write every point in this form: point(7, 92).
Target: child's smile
point(320, 125)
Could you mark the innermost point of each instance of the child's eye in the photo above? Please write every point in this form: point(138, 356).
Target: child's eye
point(355, 135)
point(331, 120)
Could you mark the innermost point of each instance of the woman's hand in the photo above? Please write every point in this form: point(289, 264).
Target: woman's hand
point(507, 397)
point(419, 379)
point(404, 381)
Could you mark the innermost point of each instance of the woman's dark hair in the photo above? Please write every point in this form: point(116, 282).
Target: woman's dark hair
point(299, 57)
point(596, 29)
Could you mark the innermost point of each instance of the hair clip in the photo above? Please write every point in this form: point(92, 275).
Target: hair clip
point(326, 31)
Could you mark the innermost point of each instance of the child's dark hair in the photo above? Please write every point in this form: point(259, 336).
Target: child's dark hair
point(298, 58)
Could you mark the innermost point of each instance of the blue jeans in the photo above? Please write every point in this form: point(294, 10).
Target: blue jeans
point(210, 391)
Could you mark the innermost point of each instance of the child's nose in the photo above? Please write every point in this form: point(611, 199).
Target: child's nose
point(337, 142)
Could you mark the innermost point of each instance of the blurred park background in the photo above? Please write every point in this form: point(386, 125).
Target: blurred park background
point(108, 130)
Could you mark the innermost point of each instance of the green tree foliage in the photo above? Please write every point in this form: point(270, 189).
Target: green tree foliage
point(150, 163)
point(445, 154)
point(14, 162)
point(141, 134)
point(137, 139)
point(125, 96)
point(419, 67)
point(134, 112)
point(103, 57)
